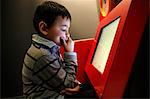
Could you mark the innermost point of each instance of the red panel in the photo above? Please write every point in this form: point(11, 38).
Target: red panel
point(126, 51)
point(133, 15)
point(82, 48)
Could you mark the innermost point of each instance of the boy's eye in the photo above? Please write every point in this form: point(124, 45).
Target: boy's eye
point(63, 30)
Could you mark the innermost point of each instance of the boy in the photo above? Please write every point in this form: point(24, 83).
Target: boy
point(44, 73)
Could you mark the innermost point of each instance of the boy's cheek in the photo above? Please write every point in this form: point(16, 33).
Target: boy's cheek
point(64, 37)
point(59, 34)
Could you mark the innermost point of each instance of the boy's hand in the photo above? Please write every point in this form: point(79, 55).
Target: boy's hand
point(68, 45)
point(70, 91)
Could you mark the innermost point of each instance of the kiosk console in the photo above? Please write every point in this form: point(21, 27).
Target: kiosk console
point(114, 49)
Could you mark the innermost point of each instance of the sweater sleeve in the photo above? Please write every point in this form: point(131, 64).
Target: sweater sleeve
point(70, 61)
point(54, 74)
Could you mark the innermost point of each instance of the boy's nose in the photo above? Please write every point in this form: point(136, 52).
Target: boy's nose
point(67, 34)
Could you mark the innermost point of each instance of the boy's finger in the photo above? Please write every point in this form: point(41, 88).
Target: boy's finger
point(63, 41)
point(62, 92)
point(70, 90)
point(73, 90)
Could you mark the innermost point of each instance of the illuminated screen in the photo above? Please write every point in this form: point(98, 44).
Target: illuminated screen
point(104, 45)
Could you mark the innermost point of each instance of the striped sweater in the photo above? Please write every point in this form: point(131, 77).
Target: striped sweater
point(44, 72)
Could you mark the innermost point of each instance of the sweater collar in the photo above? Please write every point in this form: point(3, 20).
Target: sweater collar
point(44, 41)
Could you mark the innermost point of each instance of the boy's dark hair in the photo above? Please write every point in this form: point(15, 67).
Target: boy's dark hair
point(48, 11)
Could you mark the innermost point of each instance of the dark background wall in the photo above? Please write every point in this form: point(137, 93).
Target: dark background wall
point(0, 47)
point(16, 34)
point(16, 37)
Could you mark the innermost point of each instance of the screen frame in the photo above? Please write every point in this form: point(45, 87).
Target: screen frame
point(99, 37)
point(99, 81)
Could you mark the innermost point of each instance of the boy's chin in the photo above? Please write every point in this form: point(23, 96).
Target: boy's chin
point(59, 43)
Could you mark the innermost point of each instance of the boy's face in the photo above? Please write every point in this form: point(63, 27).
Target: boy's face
point(59, 30)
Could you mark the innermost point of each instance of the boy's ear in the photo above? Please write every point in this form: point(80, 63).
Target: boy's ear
point(43, 27)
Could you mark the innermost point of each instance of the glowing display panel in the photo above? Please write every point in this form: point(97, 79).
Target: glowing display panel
point(104, 45)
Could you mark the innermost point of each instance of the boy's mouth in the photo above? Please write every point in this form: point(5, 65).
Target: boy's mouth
point(63, 40)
